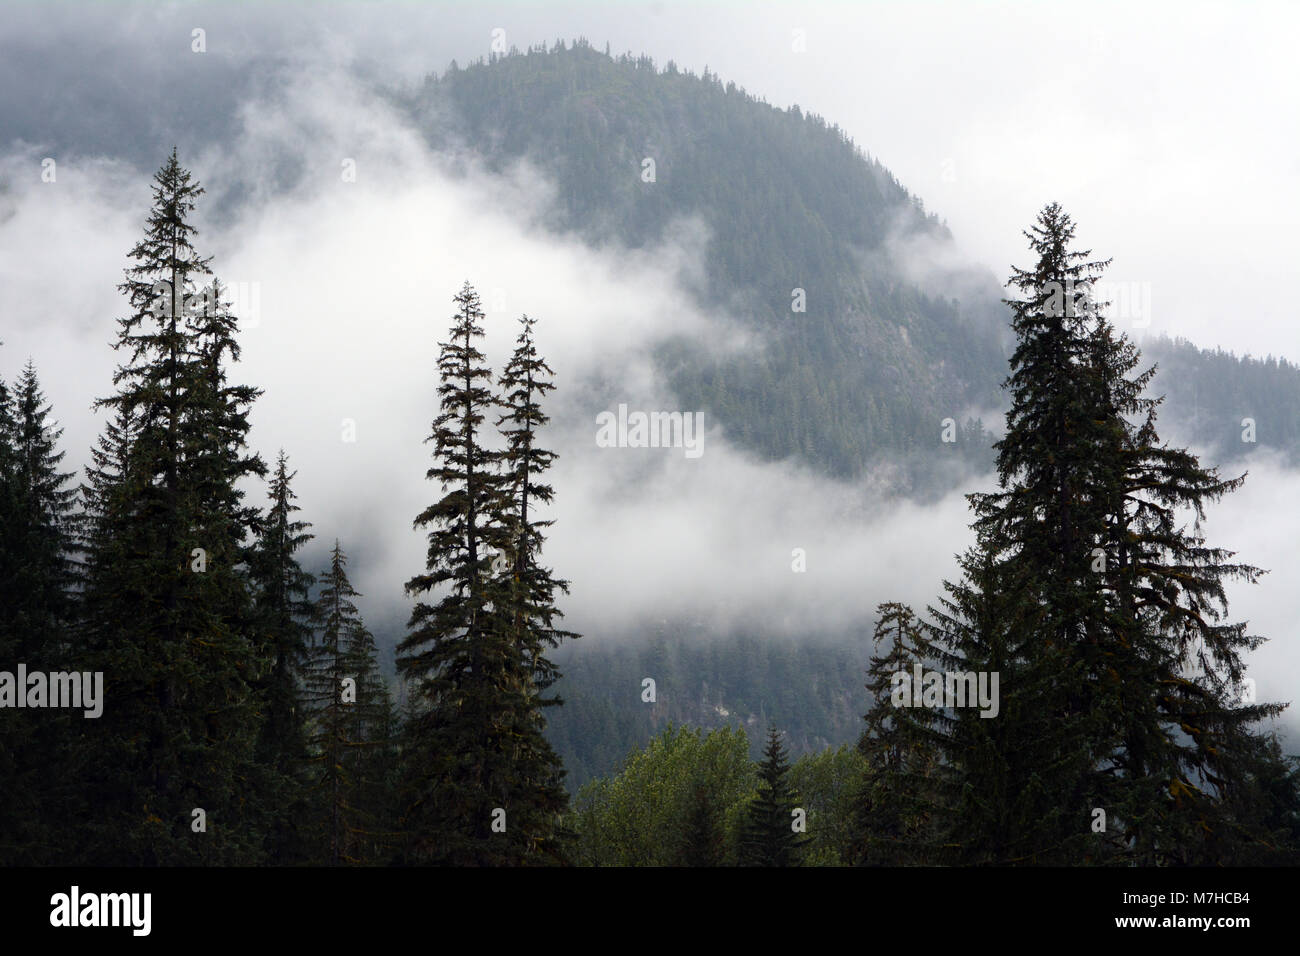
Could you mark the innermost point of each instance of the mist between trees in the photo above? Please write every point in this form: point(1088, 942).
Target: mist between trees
point(246, 720)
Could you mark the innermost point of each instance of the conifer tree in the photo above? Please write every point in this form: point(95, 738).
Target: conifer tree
point(38, 539)
point(375, 725)
point(351, 724)
point(530, 614)
point(170, 612)
point(997, 773)
point(897, 803)
point(36, 578)
point(1259, 812)
point(524, 384)
point(481, 783)
point(768, 837)
point(1183, 742)
point(1032, 570)
point(106, 512)
point(1179, 745)
point(1089, 597)
point(284, 632)
point(17, 839)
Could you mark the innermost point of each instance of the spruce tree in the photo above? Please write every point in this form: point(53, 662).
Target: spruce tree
point(38, 539)
point(106, 513)
point(351, 726)
point(1090, 597)
point(17, 839)
point(1180, 746)
point(996, 773)
point(481, 783)
point(36, 577)
point(1259, 813)
point(897, 804)
point(1032, 570)
point(284, 632)
point(18, 836)
point(375, 725)
point(168, 600)
point(768, 837)
point(530, 613)
point(524, 384)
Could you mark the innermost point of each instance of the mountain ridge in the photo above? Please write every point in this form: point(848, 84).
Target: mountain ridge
point(887, 350)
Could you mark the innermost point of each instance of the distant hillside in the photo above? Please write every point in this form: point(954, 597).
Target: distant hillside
point(864, 377)
point(813, 690)
point(874, 364)
point(868, 373)
point(1210, 394)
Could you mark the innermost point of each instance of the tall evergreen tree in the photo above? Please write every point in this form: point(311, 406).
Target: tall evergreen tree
point(481, 782)
point(524, 384)
point(36, 578)
point(351, 727)
point(284, 631)
point(997, 774)
point(18, 835)
point(529, 615)
point(897, 805)
point(768, 837)
point(1088, 596)
point(38, 541)
point(171, 611)
point(1033, 571)
point(101, 525)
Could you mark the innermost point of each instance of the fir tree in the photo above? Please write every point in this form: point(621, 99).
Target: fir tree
point(896, 806)
point(36, 577)
point(1089, 597)
point(768, 837)
point(169, 606)
point(351, 727)
point(38, 538)
point(481, 782)
point(525, 382)
point(284, 618)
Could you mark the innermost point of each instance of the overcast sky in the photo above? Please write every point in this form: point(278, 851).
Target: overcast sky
point(1167, 130)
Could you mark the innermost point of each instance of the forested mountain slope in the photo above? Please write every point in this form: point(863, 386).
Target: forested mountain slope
point(874, 363)
point(886, 349)
point(1213, 396)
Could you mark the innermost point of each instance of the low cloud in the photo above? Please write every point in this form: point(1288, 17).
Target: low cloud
point(346, 284)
